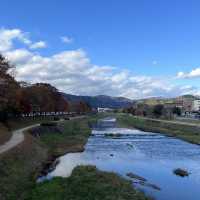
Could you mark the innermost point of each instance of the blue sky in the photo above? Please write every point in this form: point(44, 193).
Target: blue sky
point(157, 39)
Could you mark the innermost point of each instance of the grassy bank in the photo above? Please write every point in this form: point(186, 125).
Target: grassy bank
point(69, 136)
point(5, 134)
point(190, 133)
point(86, 183)
point(11, 125)
point(23, 122)
point(20, 166)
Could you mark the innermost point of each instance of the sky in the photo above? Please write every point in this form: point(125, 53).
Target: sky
point(131, 48)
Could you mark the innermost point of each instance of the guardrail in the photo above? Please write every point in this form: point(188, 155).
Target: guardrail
point(48, 114)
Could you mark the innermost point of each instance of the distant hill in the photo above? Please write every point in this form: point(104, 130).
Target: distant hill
point(100, 101)
point(155, 100)
point(163, 100)
point(189, 96)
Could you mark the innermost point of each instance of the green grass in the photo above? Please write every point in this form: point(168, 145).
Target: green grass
point(19, 167)
point(23, 122)
point(11, 125)
point(72, 139)
point(87, 183)
point(182, 131)
point(5, 134)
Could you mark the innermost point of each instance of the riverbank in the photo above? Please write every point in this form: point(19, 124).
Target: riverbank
point(5, 134)
point(189, 132)
point(7, 128)
point(20, 166)
point(87, 183)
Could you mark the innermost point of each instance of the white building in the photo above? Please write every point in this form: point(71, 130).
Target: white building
point(104, 109)
point(196, 105)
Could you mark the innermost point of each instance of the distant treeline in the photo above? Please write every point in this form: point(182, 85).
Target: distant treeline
point(17, 98)
point(153, 111)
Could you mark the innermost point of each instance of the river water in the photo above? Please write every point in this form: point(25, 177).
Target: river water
point(150, 155)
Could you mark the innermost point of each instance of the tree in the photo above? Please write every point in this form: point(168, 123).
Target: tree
point(176, 110)
point(158, 110)
point(9, 89)
point(20, 97)
point(44, 97)
point(5, 66)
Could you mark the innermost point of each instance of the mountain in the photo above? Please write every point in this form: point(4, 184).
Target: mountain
point(100, 101)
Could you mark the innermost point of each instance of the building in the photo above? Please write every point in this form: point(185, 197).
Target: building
point(196, 105)
point(185, 103)
point(104, 110)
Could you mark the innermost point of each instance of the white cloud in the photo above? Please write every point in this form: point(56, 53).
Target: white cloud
point(73, 72)
point(19, 56)
point(195, 73)
point(8, 35)
point(38, 45)
point(66, 39)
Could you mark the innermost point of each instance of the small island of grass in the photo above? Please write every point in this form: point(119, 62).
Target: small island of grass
point(87, 182)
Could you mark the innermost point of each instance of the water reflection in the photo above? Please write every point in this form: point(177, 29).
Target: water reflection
point(149, 155)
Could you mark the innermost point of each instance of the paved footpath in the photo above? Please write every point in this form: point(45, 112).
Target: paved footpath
point(16, 138)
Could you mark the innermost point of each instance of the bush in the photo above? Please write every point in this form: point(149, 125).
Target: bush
point(56, 118)
point(66, 118)
point(177, 111)
point(48, 124)
point(158, 110)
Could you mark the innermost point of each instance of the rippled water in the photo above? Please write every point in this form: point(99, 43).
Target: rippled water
point(150, 155)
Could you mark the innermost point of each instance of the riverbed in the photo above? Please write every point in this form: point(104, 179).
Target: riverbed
point(152, 156)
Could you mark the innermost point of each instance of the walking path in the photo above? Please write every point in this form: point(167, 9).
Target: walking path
point(17, 138)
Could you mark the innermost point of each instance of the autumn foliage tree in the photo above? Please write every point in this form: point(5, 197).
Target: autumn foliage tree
point(43, 96)
point(20, 97)
point(16, 98)
point(9, 91)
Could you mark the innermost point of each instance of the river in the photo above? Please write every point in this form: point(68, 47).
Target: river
point(150, 155)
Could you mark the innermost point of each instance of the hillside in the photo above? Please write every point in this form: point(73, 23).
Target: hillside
point(100, 100)
point(161, 100)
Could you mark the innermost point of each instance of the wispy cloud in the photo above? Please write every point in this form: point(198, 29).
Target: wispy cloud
point(66, 39)
point(38, 45)
point(8, 36)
